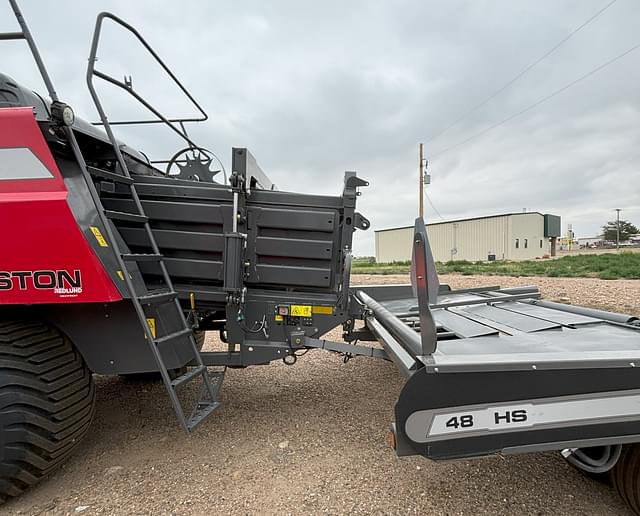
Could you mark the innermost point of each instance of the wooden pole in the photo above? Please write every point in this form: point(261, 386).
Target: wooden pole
point(421, 174)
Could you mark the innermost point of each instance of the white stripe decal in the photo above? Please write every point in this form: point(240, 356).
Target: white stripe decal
point(432, 425)
point(21, 163)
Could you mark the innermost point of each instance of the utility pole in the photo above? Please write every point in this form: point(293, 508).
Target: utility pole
point(421, 174)
point(618, 210)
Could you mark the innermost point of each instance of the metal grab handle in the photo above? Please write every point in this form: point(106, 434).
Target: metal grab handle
point(5, 36)
point(91, 71)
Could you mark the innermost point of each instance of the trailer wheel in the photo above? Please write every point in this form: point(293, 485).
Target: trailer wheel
point(47, 402)
point(595, 453)
point(625, 476)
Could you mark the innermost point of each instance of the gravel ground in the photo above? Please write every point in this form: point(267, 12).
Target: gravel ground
point(307, 439)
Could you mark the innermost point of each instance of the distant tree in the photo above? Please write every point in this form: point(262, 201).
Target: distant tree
point(610, 229)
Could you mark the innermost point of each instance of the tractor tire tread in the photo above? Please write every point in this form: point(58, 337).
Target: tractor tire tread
point(47, 402)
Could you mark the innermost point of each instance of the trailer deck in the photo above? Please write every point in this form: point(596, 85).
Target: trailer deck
point(493, 370)
point(481, 332)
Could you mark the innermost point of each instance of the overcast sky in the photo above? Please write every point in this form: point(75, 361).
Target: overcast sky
point(317, 88)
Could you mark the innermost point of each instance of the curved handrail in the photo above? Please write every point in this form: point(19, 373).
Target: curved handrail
point(92, 72)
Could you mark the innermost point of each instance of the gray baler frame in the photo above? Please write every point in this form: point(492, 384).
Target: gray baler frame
point(196, 226)
point(247, 257)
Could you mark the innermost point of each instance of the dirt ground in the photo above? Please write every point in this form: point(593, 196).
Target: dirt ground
point(307, 439)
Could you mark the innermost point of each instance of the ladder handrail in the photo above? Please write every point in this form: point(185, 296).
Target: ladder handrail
point(91, 72)
point(26, 35)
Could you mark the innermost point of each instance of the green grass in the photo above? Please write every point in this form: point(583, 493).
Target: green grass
point(366, 266)
point(604, 266)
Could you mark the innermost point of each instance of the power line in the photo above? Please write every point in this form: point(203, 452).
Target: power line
point(537, 103)
point(433, 206)
point(524, 71)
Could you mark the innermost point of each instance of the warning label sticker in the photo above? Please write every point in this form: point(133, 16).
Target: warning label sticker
point(300, 311)
point(96, 233)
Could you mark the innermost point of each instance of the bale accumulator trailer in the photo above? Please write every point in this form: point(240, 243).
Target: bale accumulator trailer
point(110, 265)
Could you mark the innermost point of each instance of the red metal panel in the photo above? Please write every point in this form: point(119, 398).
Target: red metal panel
point(44, 257)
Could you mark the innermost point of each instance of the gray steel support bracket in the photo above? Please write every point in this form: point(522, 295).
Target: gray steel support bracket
point(424, 280)
point(341, 347)
point(247, 167)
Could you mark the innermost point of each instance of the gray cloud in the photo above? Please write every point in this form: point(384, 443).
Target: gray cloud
point(316, 88)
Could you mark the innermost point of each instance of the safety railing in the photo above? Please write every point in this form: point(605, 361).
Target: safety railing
point(175, 124)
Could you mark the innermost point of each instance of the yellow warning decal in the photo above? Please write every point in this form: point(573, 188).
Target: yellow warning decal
point(120, 275)
point(152, 326)
point(279, 318)
point(96, 233)
point(300, 311)
point(325, 310)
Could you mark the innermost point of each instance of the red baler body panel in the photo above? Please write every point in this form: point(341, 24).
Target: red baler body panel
point(44, 256)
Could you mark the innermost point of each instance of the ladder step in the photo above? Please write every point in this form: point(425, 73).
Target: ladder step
point(203, 411)
point(174, 335)
point(141, 257)
point(129, 217)
point(188, 376)
point(157, 297)
point(111, 176)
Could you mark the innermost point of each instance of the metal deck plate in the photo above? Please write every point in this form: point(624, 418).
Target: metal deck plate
point(462, 326)
point(508, 318)
point(408, 305)
point(596, 345)
point(547, 314)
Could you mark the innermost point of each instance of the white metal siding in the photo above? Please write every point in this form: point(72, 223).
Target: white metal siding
point(394, 245)
point(528, 228)
point(474, 239)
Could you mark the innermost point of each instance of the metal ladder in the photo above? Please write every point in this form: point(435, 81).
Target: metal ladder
point(207, 399)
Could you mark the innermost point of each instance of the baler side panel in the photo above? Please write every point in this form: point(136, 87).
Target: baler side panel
point(44, 257)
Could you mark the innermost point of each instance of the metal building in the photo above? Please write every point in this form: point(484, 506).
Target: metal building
point(509, 236)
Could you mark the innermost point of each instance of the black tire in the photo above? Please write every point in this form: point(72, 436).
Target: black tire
point(47, 402)
point(602, 478)
point(625, 476)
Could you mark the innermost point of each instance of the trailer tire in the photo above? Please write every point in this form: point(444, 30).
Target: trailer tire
point(47, 402)
point(603, 477)
point(625, 476)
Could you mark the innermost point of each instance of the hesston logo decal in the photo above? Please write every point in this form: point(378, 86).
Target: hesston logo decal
point(63, 282)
